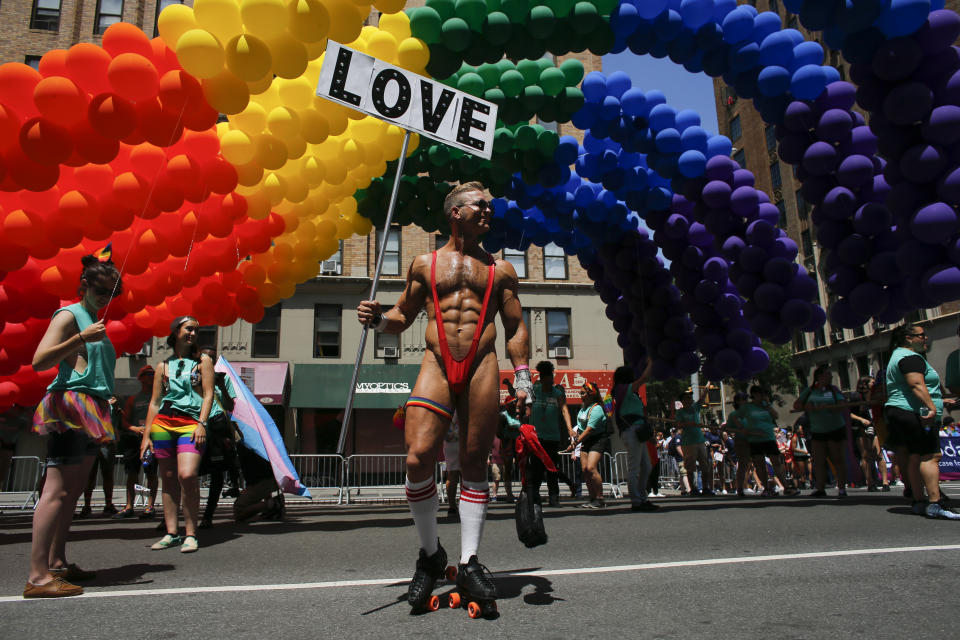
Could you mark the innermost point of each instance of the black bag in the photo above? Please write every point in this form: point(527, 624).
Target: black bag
point(529, 516)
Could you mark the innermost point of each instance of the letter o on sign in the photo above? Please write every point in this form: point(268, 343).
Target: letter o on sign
point(379, 90)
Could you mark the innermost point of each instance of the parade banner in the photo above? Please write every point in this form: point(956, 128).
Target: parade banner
point(950, 462)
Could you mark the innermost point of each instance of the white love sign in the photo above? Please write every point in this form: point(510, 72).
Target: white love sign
point(407, 99)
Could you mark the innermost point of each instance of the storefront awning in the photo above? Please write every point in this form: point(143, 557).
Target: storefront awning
point(267, 380)
point(570, 379)
point(379, 386)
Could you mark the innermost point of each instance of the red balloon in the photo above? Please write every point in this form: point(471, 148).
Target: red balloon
point(133, 76)
point(54, 63)
point(87, 66)
point(220, 177)
point(94, 178)
point(29, 174)
point(92, 146)
point(216, 219)
point(147, 161)
point(9, 391)
point(160, 127)
point(123, 37)
point(12, 257)
point(166, 194)
point(152, 246)
point(45, 142)
point(180, 92)
point(201, 117)
point(112, 116)
point(9, 128)
point(60, 100)
point(17, 82)
point(235, 206)
point(163, 58)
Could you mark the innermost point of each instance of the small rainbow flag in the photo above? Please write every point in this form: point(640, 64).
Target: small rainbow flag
point(105, 254)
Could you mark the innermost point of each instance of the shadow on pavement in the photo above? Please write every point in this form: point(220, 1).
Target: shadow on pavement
point(130, 574)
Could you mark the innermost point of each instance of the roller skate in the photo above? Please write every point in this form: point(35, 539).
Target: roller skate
point(475, 591)
point(430, 569)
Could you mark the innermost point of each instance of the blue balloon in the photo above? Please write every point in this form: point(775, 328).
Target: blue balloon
point(773, 80)
point(668, 141)
point(610, 108)
point(691, 163)
point(903, 17)
point(694, 138)
point(737, 25)
point(662, 116)
point(719, 146)
point(633, 102)
point(618, 83)
point(655, 97)
point(687, 118)
point(776, 49)
point(624, 20)
point(667, 26)
point(764, 24)
point(744, 56)
point(567, 150)
point(807, 53)
point(831, 73)
point(650, 9)
point(808, 82)
point(722, 8)
point(594, 87)
point(696, 13)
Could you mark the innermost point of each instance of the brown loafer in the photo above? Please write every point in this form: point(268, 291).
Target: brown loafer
point(73, 573)
point(56, 588)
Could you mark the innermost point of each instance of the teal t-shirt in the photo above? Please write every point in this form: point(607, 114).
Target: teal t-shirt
point(97, 378)
point(899, 393)
point(758, 422)
point(184, 390)
point(826, 420)
point(510, 425)
point(951, 376)
point(545, 412)
point(592, 417)
point(217, 408)
point(694, 434)
point(631, 408)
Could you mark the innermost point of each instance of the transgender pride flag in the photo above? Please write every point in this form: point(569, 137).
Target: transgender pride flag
point(260, 433)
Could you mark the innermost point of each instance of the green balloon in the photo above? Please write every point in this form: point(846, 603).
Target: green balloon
point(540, 22)
point(572, 70)
point(495, 95)
point(512, 111)
point(533, 97)
point(584, 17)
point(478, 51)
point(471, 83)
point(530, 71)
point(600, 41)
point(425, 24)
point(490, 74)
point(443, 62)
point(469, 165)
point(443, 7)
point(512, 83)
point(517, 10)
point(547, 142)
point(472, 12)
point(552, 81)
point(504, 65)
point(572, 100)
point(455, 34)
point(560, 7)
point(550, 112)
point(559, 41)
point(526, 137)
point(493, 5)
point(503, 140)
point(604, 7)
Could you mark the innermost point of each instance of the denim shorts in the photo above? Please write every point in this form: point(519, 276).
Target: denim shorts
point(69, 447)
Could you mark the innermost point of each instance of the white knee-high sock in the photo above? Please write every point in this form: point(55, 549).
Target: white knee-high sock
point(423, 501)
point(474, 497)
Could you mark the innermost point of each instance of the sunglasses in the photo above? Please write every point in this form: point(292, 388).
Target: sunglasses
point(919, 335)
point(480, 204)
point(102, 291)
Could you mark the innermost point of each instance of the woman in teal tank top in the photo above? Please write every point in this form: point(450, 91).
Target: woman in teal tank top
point(692, 443)
point(75, 417)
point(180, 405)
point(828, 430)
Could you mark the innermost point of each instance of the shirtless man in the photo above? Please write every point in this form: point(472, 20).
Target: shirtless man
point(463, 288)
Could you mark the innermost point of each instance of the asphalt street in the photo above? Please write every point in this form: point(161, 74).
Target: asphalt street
point(719, 567)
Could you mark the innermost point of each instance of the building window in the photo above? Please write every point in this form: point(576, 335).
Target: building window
point(844, 374)
point(735, 130)
point(771, 135)
point(161, 5)
point(793, 22)
point(326, 330)
point(740, 157)
point(46, 15)
point(518, 259)
point(207, 337)
point(554, 263)
point(858, 331)
point(799, 342)
point(806, 241)
point(558, 334)
point(108, 12)
point(334, 264)
point(802, 208)
point(775, 6)
point(32, 61)
point(391, 256)
point(782, 208)
point(775, 178)
point(266, 334)
point(440, 240)
point(863, 365)
point(819, 338)
point(386, 345)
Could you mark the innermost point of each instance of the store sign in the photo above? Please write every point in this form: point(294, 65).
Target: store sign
point(383, 387)
point(407, 99)
point(570, 379)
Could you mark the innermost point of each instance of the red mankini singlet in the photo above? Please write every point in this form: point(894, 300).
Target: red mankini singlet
point(458, 370)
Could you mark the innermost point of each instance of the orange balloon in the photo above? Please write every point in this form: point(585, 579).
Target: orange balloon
point(133, 76)
point(147, 161)
point(94, 178)
point(123, 37)
point(17, 82)
point(180, 91)
point(60, 100)
point(87, 66)
point(54, 63)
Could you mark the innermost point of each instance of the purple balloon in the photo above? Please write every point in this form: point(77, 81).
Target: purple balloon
point(923, 163)
point(762, 233)
point(744, 200)
point(716, 269)
point(908, 103)
point(939, 32)
point(934, 222)
point(792, 146)
point(796, 313)
point(831, 232)
point(913, 257)
point(869, 298)
point(943, 127)
point(838, 95)
point(861, 141)
point(876, 190)
point(768, 212)
point(819, 316)
point(743, 178)
point(769, 297)
point(676, 226)
point(779, 271)
point(799, 117)
point(843, 280)
point(728, 361)
point(687, 363)
point(699, 235)
point(834, 125)
point(820, 158)
point(728, 305)
point(814, 188)
point(871, 219)
point(839, 203)
point(855, 171)
point(883, 268)
point(802, 287)
point(757, 360)
point(732, 248)
point(897, 59)
point(855, 249)
point(721, 168)
point(948, 187)
point(942, 283)
point(765, 325)
point(784, 247)
point(716, 193)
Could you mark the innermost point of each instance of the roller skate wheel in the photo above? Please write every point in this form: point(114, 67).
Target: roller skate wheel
point(454, 600)
point(451, 573)
point(473, 610)
point(492, 608)
point(433, 603)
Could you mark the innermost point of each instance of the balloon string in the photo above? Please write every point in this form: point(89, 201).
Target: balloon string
point(186, 262)
point(139, 219)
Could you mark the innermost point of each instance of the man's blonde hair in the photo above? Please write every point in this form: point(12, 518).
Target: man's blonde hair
point(454, 199)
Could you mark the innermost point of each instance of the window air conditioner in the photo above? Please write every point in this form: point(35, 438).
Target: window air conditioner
point(559, 352)
point(388, 352)
point(837, 336)
point(330, 266)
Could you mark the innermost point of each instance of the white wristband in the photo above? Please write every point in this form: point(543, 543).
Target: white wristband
point(382, 325)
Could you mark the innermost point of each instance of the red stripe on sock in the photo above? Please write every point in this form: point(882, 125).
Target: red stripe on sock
point(472, 501)
point(475, 494)
point(421, 494)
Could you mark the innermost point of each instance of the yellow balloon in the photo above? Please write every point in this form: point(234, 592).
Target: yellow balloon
point(351, 154)
point(264, 18)
point(173, 22)
point(236, 147)
point(325, 229)
point(220, 17)
point(346, 20)
point(291, 221)
point(249, 175)
point(248, 57)
point(372, 155)
point(389, 6)
point(306, 230)
point(313, 172)
point(271, 152)
point(315, 50)
point(289, 57)
point(383, 46)
point(251, 120)
point(226, 93)
point(347, 206)
point(396, 23)
point(334, 171)
point(260, 86)
point(308, 20)
point(286, 289)
point(258, 206)
point(362, 226)
point(344, 228)
point(297, 189)
point(296, 147)
point(366, 131)
point(413, 55)
point(313, 126)
point(283, 123)
point(200, 53)
point(296, 93)
point(274, 187)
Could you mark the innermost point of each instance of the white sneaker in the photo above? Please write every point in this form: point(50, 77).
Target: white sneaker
point(749, 492)
point(724, 492)
point(898, 484)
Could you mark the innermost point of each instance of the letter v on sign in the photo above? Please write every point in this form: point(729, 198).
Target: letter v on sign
point(406, 99)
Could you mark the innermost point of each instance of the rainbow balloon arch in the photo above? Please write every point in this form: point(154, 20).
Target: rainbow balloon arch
point(122, 144)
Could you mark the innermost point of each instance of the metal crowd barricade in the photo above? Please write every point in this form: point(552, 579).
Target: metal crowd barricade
point(607, 468)
point(21, 486)
point(322, 474)
point(376, 478)
point(669, 472)
point(620, 461)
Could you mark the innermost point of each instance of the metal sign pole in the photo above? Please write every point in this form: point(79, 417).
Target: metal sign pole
point(348, 410)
